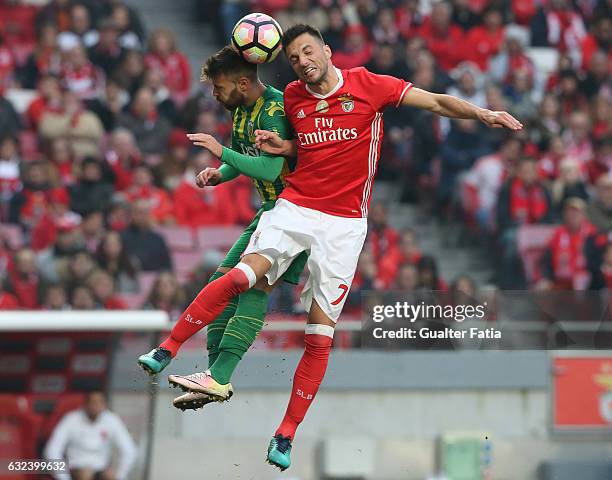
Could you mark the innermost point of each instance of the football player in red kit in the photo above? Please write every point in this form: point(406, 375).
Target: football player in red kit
point(337, 118)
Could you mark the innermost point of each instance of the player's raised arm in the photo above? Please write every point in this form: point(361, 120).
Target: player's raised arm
point(453, 107)
point(273, 144)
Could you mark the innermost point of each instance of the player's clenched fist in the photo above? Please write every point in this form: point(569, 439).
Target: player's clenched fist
point(207, 141)
point(272, 143)
point(209, 177)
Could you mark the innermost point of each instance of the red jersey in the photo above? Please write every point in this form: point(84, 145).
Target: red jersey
point(338, 137)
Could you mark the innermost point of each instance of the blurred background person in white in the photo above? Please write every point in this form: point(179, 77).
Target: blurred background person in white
point(85, 439)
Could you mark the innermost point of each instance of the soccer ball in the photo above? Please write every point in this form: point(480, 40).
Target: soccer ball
point(257, 37)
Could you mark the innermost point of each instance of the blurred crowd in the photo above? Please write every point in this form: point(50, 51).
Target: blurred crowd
point(95, 164)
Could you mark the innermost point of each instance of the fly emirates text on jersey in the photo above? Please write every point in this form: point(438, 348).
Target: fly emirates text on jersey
point(325, 132)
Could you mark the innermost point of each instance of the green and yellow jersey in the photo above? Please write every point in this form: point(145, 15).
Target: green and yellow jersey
point(267, 113)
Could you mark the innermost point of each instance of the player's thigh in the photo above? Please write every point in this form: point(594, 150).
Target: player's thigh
point(294, 272)
point(82, 474)
point(316, 316)
point(235, 253)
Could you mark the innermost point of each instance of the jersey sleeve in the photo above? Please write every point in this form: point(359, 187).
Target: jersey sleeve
point(386, 90)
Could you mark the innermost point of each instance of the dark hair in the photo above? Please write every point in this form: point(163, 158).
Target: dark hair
point(227, 62)
point(296, 30)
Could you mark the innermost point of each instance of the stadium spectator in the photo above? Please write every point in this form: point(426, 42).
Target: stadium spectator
point(175, 163)
point(24, 280)
point(142, 242)
point(519, 96)
point(356, 49)
point(569, 184)
point(166, 107)
point(130, 73)
point(385, 30)
point(167, 295)
point(522, 200)
point(429, 275)
point(382, 237)
point(7, 65)
point(547, 125)
point(599, 209)
point(10, 123)
point(49, 97)
point(91, 192)
point(602, 119)
point(576, 137)
point(512, 56)
point(196, 207)
point(563, 263)
point(114, 259)
point(462, 147)
point(55, 297)
point(571, 98)
point(71, 120)
point(102, 285)
point(68, 241)
point(441, 36)
point(77, 270)
point(128, 24)
point(150, 130)
point(173, 65)
point(8, 301)
point(56, 12)
point(10, 182)
point(30, 204)
point(79, 75)
point(92, 230)
point(407, 251)
point(486, 177)
point(80, 31)
point(601, 274)
point(86, 438)
point(601, 164)
point(81, 298)
point(485, 41)
point(109, 104)
point(407, 279)
point(44, 60)
point(334, 32)
point(211, 259)
point(17, 20)
point(303, 11)
point(597, 78)
point(107, 53)
point(122, 157)
point(142, 188)
point(600, 38)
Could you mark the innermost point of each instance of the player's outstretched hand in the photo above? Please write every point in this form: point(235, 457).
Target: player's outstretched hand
point(207, 141)
point(499, 120)
point(209, 177)
point(272, 143)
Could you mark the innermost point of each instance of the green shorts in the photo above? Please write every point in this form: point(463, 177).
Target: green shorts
point(292, 275)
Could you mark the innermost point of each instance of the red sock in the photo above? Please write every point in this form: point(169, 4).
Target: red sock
point(209, 303)
point(308, 376)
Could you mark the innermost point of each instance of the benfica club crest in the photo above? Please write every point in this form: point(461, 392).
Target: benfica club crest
point(347, 102)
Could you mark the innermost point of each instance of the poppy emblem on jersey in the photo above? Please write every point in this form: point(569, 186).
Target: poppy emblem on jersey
point(347, 102)
point(322, 107)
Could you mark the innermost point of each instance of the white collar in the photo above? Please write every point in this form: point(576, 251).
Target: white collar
point(333, 90)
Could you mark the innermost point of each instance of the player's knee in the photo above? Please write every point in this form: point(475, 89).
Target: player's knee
point(223, 270)
point(258, 263)
point(263, 285)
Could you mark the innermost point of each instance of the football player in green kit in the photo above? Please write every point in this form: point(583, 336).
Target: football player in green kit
point(254, 106)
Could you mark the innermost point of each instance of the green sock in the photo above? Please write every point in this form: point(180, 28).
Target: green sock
point(240, 333)
point(214, 332)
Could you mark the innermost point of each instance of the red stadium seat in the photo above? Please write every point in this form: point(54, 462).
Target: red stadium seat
point(185, 263)
point(218, 237)
point(65, 403)
point(532, 240)
point(178, 238)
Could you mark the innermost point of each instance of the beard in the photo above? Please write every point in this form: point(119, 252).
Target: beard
point(234, 100)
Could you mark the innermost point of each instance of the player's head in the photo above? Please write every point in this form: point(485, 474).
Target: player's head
point(95, 403)
point(308, 55)
point(230, 75)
